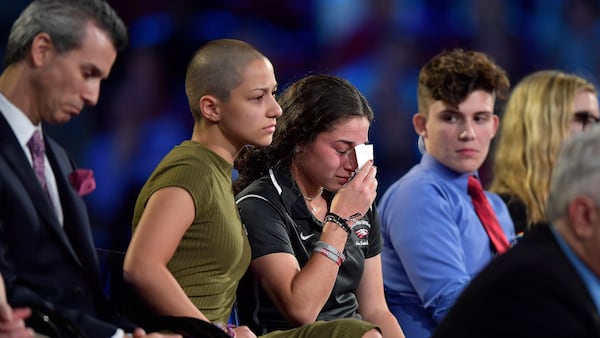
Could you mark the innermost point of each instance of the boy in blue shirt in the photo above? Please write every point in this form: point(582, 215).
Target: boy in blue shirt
point(434, 241)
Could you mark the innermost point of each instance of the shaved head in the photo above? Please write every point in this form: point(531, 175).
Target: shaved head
point(215, 69)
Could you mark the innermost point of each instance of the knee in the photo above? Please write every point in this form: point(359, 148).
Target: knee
point(374, 333)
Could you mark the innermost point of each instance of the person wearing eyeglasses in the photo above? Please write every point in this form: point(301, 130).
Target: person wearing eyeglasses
point(543, 109)
point(584, 120)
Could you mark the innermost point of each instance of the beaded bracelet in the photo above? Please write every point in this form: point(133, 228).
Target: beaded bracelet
point(321, 244)
point(339, 220)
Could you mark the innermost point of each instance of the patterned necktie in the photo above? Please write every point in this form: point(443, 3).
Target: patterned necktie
point(38, 149)
point(487, 216)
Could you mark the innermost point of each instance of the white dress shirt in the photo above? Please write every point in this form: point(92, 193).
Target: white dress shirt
point(23, 129)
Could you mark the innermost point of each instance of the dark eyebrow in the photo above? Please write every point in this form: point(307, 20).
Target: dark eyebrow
point(346, 142)
point(457, 112)
point(449, 113)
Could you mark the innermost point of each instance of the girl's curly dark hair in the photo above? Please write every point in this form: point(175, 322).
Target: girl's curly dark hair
point(312, 105)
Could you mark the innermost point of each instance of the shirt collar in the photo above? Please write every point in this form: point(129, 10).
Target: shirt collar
point(590, 280)
point(290, 194)
point(285, 186)
point(430, 163)
point(18, 121)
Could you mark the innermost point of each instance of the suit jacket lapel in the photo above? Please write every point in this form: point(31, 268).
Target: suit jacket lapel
point(76, 222)
point(11, 150)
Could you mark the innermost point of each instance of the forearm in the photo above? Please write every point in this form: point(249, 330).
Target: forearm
point(386, 321)
point(371, 299)
point(156, 285)
point(311, 287)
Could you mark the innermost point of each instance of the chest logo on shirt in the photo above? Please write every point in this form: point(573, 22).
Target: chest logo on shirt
point(361, 230)
point(305, 237)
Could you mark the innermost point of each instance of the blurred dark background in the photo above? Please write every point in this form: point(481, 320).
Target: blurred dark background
point(378, 45)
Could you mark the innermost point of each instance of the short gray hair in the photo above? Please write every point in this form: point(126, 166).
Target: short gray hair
point(577, 172)
point(64, 21)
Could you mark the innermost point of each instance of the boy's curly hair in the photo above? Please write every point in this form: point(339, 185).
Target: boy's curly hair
point(452, 75)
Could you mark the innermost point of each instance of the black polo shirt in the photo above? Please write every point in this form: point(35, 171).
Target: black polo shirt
point(277, 220)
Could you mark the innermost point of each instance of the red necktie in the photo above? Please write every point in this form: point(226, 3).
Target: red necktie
point(487, 216)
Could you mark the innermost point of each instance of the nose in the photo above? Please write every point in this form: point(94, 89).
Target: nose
point(350, 161)
point(467, 133)
point(90, 93)
point(275, 110)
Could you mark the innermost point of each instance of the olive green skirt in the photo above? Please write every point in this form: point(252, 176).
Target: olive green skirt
point(350, 328)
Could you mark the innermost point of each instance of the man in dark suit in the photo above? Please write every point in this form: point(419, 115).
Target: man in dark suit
point(549, 284)
point(58, 53)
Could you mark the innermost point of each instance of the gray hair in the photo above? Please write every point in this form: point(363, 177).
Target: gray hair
point(577, 172)
point(64, 21)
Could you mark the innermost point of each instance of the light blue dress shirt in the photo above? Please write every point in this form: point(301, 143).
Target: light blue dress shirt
point(434, 243)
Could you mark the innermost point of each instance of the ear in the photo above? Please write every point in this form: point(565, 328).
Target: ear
point(420, 124)
point(496, 121)
point(209, 107)
point(42, 49)
point(583, 216)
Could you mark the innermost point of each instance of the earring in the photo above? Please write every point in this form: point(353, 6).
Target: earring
point(421, 144)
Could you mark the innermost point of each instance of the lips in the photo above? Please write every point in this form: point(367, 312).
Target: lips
point(467, 152)
point(343, 180)
point(270, 129)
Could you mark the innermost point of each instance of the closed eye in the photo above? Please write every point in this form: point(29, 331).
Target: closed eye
point(90, 72)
